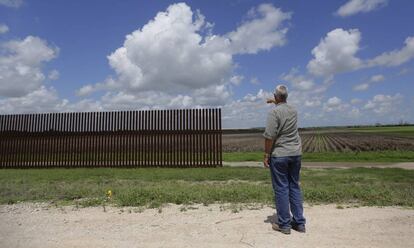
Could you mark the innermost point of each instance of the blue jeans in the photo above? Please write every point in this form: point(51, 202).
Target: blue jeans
point(285, 182)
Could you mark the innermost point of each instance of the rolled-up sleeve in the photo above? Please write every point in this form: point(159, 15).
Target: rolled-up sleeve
point(271, 126)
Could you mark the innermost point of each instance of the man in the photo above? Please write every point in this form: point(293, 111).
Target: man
point(283, 150)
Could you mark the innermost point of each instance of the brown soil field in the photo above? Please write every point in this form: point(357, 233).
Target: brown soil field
point(324, 142)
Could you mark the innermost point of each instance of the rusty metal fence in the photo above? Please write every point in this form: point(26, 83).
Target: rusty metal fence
point(164, 138)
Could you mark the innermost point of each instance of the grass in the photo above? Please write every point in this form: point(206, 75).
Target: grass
point(153, 187)
point(368, 156)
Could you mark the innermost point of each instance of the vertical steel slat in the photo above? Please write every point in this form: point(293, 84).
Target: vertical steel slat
point(200, 137)
point(118, 138)
point(3, 136)
point(2, 141)
point(152, 114)
point(146, 138)
point(12, 140)
point(141, 138)
point(106, 139)
point(191, 150)
point(7, 143)
point(210, 134)
point(203, 137)
point(72, 140)
point(133, 138)
point(75, 140)
point(165, 123)
point(220, 139)
point(46, 140)
point(110, 138)
point(122, 139)
point(95, 139)
point(158, 137)
point(180, 137)
point(215, 145)
point(17, 137)
point(130, 150)
point(7, 140)
point(98, 140)
point(65, 140)
point(54, 145)
point(218, 136)
point(174, 132)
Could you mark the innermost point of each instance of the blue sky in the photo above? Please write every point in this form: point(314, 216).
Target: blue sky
point(345, 62)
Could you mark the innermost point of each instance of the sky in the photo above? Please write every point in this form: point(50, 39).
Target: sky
point(345, 62)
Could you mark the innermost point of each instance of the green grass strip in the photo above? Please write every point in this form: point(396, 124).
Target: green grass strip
point(152, 187)
point(377, 156)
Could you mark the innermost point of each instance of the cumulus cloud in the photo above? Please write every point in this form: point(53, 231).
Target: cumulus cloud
point(21, 65)
point(374, 79)
point(336, 53)
point(383, 104)
point(353, 7)
point(42, 99)
point(396, 57)
point(262, 31)
point(254, 80)
point(298, 81)
point(361, 87)
point(176, 54)
point(236, 79)
point(3, 28)
point(11, 3)
point(53, 75)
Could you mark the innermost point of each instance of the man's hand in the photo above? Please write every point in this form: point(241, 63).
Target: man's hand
point(270, 100)
point(266, 160)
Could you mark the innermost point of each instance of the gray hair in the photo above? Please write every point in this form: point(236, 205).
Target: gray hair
point(281, 92)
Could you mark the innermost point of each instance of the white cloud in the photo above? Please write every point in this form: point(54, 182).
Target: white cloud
point(396, 57)
point(333, 101)
point(53, 75)
point(176, 57)
point(11, 3)
point(356, 101)
point(383, 104)
point(374, 79)
point(377, 78)
point(254, 80)
point(336, 53)
point(361, 87)
point(262, 31)
point(236, 79)
point(20, 65)
point(3, 28)
point(298, 82)
point(353, 7)
point(40, 100)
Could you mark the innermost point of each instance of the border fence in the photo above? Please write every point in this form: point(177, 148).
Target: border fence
point(164, 138)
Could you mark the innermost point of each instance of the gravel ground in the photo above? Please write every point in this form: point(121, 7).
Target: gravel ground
point(42, 225)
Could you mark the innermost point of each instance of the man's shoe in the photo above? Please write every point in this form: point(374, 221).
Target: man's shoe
point(299, 228)
point(282, 230)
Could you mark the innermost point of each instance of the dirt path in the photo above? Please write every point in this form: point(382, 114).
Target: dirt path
point(39, 225)
point(407, 165)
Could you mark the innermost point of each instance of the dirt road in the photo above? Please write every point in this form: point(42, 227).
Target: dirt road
point(39, 225)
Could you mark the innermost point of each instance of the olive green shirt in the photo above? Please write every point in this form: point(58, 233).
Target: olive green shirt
point(281, 127)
